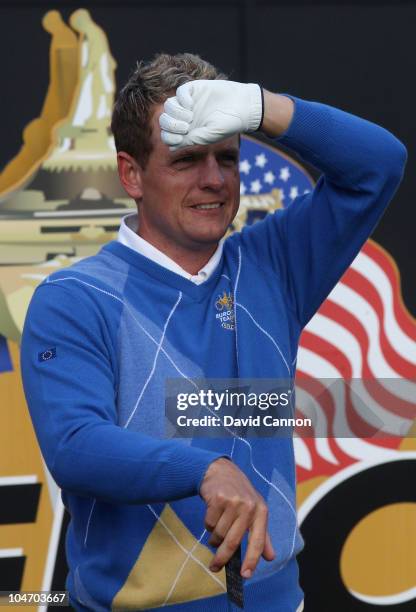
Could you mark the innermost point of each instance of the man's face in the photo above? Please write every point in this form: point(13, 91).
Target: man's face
point(189, 196)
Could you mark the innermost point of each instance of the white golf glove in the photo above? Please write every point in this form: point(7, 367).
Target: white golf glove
point(206, 111)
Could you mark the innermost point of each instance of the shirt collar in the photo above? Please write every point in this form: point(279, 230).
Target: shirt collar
point(127, 235)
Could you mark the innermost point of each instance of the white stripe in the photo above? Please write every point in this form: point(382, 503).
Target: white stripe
point(5, 481)
point(324, 450)
point(52, 548)
point(316, 366)
point(273, 486)
point(400, 341)
point(339, 336)
point(386, 600)
point(376, 275)
point(309, 406)
point(364, 451)
point(363, 311)
point(347, 343)
point(180, 571)
point(302, 455)
point(366, 406)
point(165, 353)
point(39, 277)
point(185, 550)
point(127, 307)
point(89, 522)
point(105, 212)
point(313, 364)
point(278, 491)
point(152, 371)
point(65, 278)
point(53, 489)
point(11, 552)
point(235, 306)
point(374, 414)
point(266, 333)
point(310, 363)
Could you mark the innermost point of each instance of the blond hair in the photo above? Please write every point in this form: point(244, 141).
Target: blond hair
point(152, 83)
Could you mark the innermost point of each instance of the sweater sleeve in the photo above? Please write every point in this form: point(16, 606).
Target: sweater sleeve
point(312, 242)
point(69, 380)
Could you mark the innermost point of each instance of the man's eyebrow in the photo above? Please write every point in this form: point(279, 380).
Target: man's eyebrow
point(201, 152)
point(185, 152)
point(229, 151)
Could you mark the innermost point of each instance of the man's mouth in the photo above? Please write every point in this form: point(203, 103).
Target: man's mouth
point(211, 206)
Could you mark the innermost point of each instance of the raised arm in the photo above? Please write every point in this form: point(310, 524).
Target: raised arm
point(313, 241)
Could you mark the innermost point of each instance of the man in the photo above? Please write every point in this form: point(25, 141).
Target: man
point(102, 337)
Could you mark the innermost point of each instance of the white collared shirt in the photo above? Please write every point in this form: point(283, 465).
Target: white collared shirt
point(127, 235)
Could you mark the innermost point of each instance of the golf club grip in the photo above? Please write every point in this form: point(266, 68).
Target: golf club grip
point(234, 580)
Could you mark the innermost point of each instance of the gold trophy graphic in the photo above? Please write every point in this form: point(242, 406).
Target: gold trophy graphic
point(60, 197)
point(60, 200)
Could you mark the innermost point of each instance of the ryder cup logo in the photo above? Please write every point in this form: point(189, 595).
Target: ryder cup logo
point(269, 180)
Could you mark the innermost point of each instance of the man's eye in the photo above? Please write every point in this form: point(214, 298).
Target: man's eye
point(186, 159)
point(229, 158)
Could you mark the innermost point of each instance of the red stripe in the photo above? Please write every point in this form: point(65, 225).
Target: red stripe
point(334, 355)
point(317, 390)
point(319, 465)
point(363, 286)
point(387, 263)
point(331, 353)
point(358, 283)
point(356, 423)
point(392, 402)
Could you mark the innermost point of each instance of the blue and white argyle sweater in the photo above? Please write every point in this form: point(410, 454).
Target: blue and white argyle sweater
point(102, 336)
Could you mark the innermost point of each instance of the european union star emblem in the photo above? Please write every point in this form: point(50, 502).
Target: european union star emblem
point(48, 354)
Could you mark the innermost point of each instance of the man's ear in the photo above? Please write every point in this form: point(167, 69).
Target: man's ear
point(130, 175)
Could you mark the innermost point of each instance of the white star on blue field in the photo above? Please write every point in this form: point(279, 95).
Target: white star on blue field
point(263, 169)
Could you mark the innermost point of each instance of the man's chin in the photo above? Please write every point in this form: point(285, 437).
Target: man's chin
point(207, 239)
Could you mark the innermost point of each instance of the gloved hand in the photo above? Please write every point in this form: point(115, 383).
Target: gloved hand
point(206, 111)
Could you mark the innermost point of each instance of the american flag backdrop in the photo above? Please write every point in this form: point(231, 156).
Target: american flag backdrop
point(362, 334)
point(263, 168)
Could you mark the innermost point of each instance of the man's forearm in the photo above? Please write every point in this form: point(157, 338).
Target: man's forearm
point(278, 114)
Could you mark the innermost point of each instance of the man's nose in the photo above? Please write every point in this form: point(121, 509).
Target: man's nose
point(211, 176)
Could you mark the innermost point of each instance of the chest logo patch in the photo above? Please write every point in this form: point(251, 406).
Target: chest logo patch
point(224, 305)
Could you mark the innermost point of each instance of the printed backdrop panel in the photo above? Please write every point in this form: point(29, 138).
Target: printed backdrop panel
point(60, 200)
